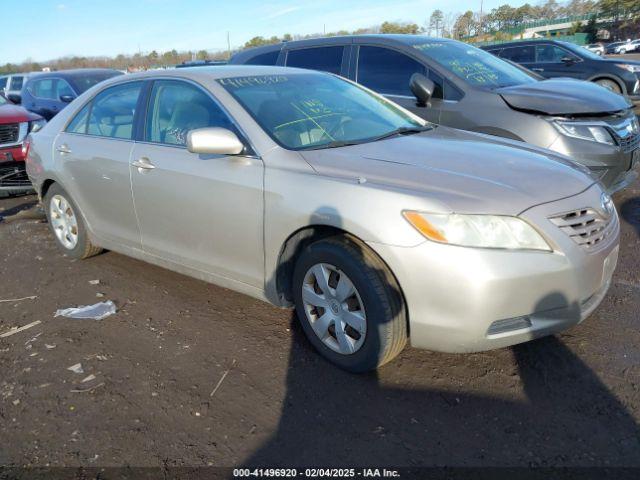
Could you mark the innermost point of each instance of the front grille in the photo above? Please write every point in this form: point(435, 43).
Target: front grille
point(626, 133)
point(9, 133)
point(14, 177)
point(587, 227)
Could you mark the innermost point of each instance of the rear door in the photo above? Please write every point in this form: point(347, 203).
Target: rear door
point(201, 211)
point(95, 151)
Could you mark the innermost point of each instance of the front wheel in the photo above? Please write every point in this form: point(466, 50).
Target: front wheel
point(67, 224)
point(349, 304)
point(611, 85)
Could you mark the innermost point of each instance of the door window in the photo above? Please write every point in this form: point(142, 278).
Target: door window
point(387, 71)
point(523, 54)
point(3, 83)
point(176, 108)
point(552, 53)
point(113, 111)
point(43, 89)
point(16, 83)
point(79, 122)
point(326, 59)
point(64, 89)
point(269, 58)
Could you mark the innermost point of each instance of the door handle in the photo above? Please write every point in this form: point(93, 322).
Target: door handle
point(143, 163)
point(63, 149)
point(538, 69)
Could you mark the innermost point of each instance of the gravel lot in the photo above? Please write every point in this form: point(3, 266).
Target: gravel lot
point(567, 400)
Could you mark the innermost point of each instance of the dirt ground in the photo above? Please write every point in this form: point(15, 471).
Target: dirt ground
point(188, 374)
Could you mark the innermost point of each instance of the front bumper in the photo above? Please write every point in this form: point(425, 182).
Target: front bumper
point(456, 296)
point(610, 164)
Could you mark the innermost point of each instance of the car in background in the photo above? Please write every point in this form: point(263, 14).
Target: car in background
point(596, 48)
point(613, 48)
point(629, 47)
point(305, 189)
point(48, 93)
point(15, 124)
point(474, 90)
point(554, 58)
point(201, 63)
point(11, 86)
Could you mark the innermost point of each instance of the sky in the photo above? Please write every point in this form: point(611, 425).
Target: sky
point(48, 29)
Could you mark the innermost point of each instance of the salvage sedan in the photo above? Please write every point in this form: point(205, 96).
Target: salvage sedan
point(304, 189)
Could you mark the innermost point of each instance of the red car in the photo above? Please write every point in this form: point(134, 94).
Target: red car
point(15, 124)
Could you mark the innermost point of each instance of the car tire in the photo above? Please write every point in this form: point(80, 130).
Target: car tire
point(376, 301)
point(609, 84)
point(67, 224)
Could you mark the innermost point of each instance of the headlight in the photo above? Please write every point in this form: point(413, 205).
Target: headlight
point(628, 67)
point(484, 231)
point(594, 133)
point(36, 125)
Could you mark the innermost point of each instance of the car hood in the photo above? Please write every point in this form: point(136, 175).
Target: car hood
point(563, 96)
point(10, 113)
point(461, 171)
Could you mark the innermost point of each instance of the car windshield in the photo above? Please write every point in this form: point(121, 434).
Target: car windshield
point(474, 66)
point(316, 110)
point(84, 82)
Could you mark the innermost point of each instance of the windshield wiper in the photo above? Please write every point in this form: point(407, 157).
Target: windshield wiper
point(333, 144)
point(403, 131)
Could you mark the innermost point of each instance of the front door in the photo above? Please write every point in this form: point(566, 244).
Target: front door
point(388, 72)
point(201, 211)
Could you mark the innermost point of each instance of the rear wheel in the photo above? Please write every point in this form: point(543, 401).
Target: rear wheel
point(349, 304)
point(609, 85)
point(67, 224)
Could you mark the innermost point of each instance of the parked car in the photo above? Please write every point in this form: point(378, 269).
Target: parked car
point(613, 48)
point(11, 86)
point(48, 93)
point(15, 124)
point(629, 47)
point(201, 63)
point(302, 188)
point(553, 58)
point(474, 90)
point(596, 48)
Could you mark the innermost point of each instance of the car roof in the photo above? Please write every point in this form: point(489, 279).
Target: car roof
point(78, 72)
point(524, 42)
point(382, 39)
point(213, 72)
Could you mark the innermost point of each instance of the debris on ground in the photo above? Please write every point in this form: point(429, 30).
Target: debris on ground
point(12, 300)
point(94, 282)
point(77, 368)
point(87, 390)
point(15, 330)
point(98, 311)
point(224, 375)
point(88, 378)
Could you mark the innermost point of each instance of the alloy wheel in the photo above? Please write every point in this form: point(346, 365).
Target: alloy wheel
point(63, 221)
point(334, 308)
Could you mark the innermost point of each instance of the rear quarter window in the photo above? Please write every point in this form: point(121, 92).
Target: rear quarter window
point(268, 58)
point(326, 59)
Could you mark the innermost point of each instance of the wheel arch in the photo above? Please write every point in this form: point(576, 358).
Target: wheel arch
point(606, 76)
point(297, 241)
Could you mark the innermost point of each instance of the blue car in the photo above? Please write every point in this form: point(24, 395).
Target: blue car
point(48, 93)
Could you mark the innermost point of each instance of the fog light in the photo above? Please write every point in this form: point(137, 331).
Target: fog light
point(509, 324)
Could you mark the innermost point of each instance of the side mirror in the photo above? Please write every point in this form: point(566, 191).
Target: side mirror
point(67, 98)
point(15, 98)
point(422, 88)
point(213, 140)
